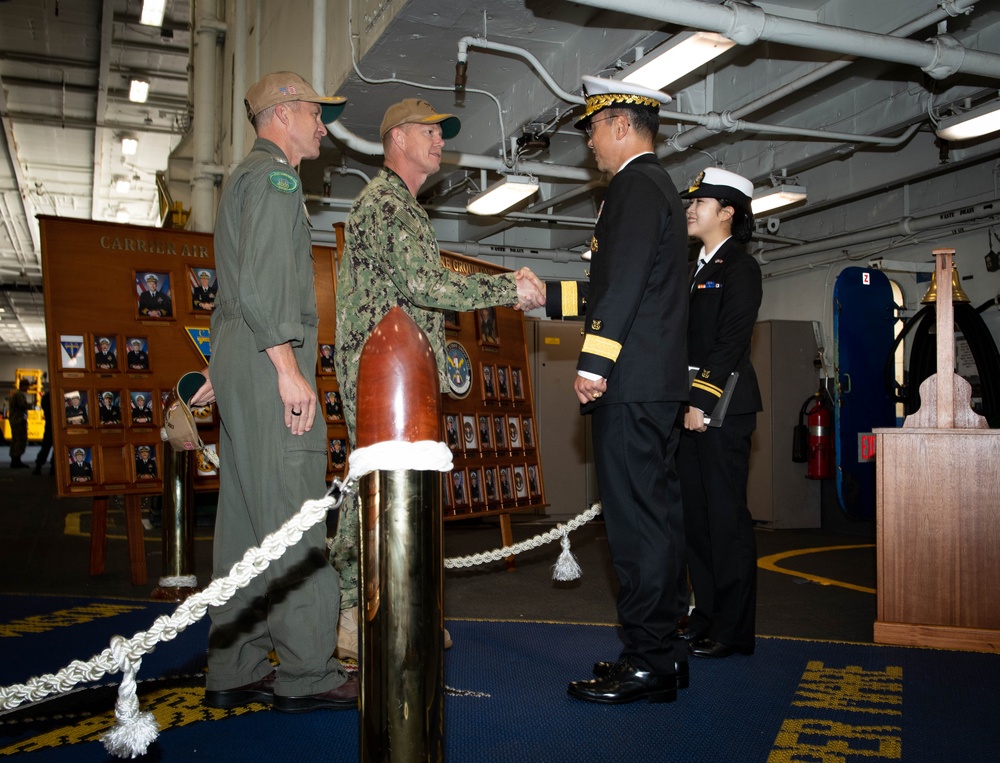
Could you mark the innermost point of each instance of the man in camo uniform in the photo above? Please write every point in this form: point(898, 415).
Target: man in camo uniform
point(391, 258)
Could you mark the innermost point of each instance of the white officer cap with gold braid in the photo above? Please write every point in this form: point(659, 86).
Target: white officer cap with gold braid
point(602, 93)
point(717, 183)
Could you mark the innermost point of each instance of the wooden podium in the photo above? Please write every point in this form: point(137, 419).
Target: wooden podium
point(938, 511)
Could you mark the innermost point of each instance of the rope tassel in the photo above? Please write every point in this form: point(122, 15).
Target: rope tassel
point(566, 566)
point(134, 731)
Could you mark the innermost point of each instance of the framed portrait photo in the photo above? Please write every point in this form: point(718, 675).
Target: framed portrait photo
point(477, 496)
point(446, 501)
point(203, 289)
point(491, 486)
point(452, 431)
point(534, 484)
point(333, 406)
point(506, 483)
point(76, 408)
point(105, 352)
point(338, 454)
point(141, 408)
point(486, 327)
point(109, 407)
point(500, 432)
point(153, 295)
point(487, 375)
point(459, 488)
point(136, 353)
point(503, 383)
point(146, 467)
point(528, 432)
point(326, 359)
point(452, 320)
point(81, 464)
point(485, 432)
point(516, 384)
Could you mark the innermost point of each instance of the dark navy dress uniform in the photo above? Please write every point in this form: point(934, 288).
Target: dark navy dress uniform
point(635, 337)
point(714, 465)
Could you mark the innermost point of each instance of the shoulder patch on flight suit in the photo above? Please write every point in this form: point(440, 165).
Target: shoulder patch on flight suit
point(283, 181)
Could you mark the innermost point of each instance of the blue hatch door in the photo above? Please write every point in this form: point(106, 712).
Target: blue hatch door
point(863, 317)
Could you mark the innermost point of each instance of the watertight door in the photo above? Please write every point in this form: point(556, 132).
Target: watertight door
point(862, 345)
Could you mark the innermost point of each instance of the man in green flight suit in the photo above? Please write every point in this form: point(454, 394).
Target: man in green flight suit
point(391, 257)
point(272, 457)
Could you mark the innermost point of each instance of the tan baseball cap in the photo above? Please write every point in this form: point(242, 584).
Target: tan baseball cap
point(284, 87)
point(418, 111)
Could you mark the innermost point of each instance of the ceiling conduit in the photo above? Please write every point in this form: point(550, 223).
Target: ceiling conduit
point(745, 24)
point(688, 138)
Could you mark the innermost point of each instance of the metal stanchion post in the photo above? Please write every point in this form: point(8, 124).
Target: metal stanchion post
point(178, 580)
point(402, 620)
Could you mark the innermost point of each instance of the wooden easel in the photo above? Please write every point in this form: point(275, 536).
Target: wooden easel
point(133, 532)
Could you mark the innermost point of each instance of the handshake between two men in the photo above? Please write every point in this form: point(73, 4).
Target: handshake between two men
point(530, 290)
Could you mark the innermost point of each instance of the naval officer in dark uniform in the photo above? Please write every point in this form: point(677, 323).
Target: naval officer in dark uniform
point(104, 357)
point(137, 358)
point(154, 303)
point(714, 461)
point(632, 381)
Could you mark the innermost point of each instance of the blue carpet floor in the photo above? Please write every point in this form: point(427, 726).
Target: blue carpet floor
point(792, 702)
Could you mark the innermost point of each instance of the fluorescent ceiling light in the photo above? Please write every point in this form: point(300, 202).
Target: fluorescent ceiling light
point(152, 12)
point(770, 199)
point(129, 146)
point(501, 196)
point(682, 54)
point(979, 121)
point(138, 91)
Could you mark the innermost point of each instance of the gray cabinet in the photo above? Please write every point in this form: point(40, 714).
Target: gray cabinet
point(778, 492)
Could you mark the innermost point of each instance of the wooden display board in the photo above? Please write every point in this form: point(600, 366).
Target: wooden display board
point(115, 350)
point(488, 415)
point(98, 304)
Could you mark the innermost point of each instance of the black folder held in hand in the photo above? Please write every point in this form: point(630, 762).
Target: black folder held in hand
point(715, 417)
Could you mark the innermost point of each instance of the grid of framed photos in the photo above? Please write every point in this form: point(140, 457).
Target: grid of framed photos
point(488, 419)
point(127, 313)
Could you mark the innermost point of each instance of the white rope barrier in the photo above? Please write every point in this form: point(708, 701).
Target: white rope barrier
point(136, 730)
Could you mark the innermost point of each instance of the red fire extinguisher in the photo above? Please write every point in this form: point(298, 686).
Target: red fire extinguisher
point(813, 438)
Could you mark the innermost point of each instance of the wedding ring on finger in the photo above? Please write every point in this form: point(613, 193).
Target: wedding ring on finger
point(296, 413)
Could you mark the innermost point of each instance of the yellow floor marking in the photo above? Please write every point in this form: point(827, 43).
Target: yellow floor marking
point(771, 563)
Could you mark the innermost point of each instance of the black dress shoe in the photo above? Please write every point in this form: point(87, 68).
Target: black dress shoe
point(602, 669)
point(344, 697)
point(626, 684)
point(258, 691)
point(709, 647)
point(688, 634)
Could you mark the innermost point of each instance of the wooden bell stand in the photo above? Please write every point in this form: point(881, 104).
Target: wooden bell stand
point(938, 498)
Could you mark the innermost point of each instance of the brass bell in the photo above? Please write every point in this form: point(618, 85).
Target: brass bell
point(957, 292)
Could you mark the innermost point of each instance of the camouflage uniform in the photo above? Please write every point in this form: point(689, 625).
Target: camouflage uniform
point(391, 258)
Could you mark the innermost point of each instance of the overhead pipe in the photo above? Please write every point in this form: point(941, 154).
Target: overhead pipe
point(906, 226)
point(713, 122)
point(353, 141)
point(684, 140)
point(746, 24)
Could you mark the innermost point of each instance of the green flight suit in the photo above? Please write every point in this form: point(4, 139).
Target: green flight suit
point(266, 297)
point(391, 258)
